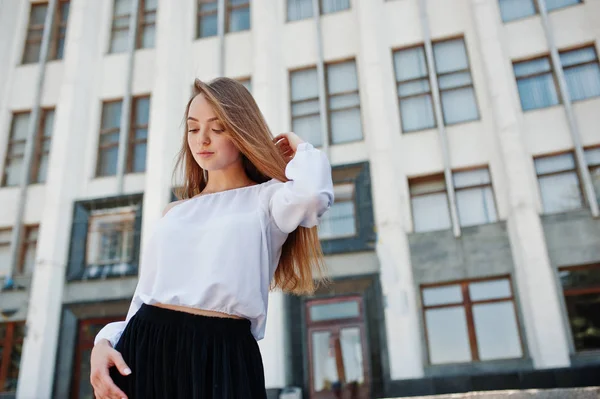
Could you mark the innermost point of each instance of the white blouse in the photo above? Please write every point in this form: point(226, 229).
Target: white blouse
point(219, 251)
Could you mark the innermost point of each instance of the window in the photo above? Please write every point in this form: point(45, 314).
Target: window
point(429, 200)
point(238, 15)
point(455, 82)
point(35, 31)
point(516, 9)
point(110, 239)
point(592, 156)
point(11, 347)
point(302, 9)
point(581, 288)
point(582, 72)
point(42, 147)
point(108, 147)
point(138, 137)
point(536, 83)
point(559, 183)
point(306, 115)
point(28, 251)
point(340, 220)
point(5, 239)
point(474, 197)
point(15, 149)
point(105, 238)
point(146, 28)
point(414, 91)
point(471, 321)
point(207, 18)
point(343, 102)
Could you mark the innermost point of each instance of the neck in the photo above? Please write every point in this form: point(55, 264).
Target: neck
point(227, 179)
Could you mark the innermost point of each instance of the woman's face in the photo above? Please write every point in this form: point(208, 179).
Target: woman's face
point(209, 142)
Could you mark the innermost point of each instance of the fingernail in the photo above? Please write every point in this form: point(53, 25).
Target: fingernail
point(127, 371)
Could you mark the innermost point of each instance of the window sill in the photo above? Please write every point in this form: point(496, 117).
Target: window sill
point(586, 358)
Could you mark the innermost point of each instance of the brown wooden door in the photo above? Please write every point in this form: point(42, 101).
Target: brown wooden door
point(337, 349)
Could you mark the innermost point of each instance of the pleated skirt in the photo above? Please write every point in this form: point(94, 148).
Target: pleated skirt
point(175, 355)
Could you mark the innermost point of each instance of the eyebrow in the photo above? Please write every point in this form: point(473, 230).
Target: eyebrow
point(208, 120)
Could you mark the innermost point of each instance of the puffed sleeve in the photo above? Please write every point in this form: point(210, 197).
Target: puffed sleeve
point(307, 195)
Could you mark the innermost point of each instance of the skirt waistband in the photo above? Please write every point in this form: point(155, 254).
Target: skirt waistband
point(204, 323)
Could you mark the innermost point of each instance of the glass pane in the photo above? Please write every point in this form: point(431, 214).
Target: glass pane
point(13, 171)
point(85, 388)
point(13, 368)
point(453, 80)
point(305, 108)
point(447, 335)
point(122, 7)
point(109, 138)
point(309, 128)
point(20, 125)
point(5, 254)
point(38, 14)
point(239, 19)
point(554, 4)
point(118, 43)
point(341, 77)
point(208, 5)
point(430, 212)
point(142, 110)
point(148, 36)
point(592, 156)
point(64, 11)
point(299, 9)
point(410, 64)
point(32, 52)
point(334, 311)
point(556, 163)
point(352, 355)
point(150, 5)
point(328, 6)
point(493, 289)
point(344, 101)
point(338, 221)
point(497, 331)
point(141, 134)
point(413, 87)
point(579, 56)
point(516, 9)
point(560, 192)
point(443, 295)
point(60, 49)
point(584, 318)
point(417, 113)
point(459, 105)
point(139, 158)
point(324, 365)
point(526, 68)
point(537, 92)
point(48, 122)
point(580, 278)
point(111, 115)
point(583, 81)
point(476, 206)
point(346, 126)
point(595, 172)
point(208, 25)
point(304, 84)
point(107, 165)
point(450, 56)
point(471, 178)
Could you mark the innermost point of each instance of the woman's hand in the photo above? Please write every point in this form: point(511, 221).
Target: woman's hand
point(287, 143)
point(102, 358)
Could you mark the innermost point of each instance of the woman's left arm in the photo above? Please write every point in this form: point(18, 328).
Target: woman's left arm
point(308, 194)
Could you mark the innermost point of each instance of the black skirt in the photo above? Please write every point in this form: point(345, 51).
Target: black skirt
point(175, 354)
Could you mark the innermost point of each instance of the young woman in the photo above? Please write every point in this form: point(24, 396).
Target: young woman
point(246, 225)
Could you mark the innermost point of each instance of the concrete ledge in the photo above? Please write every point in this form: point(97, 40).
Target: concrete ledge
point(569, 393)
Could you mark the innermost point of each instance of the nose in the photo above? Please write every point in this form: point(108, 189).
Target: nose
point(202, 137)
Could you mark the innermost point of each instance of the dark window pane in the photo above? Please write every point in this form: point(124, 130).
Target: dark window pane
point(142, 110)
point(580, 278)
point(107, 165)
point(333, 311)
point(111, 115)
point(239, 19)
point(139, 158)
point(584, 317)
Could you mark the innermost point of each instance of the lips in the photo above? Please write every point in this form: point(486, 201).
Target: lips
point(205, 154)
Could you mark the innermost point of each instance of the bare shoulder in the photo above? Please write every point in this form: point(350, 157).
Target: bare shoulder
point(172, 204)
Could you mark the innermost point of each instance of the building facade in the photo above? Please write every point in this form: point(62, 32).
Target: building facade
point(464, 244)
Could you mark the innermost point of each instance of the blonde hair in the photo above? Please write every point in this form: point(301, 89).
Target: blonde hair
point(246, 127)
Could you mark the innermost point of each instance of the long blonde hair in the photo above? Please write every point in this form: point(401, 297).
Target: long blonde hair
point(245, 125)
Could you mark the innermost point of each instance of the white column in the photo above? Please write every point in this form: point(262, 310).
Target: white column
point(82, 50)
point(267, 76)
point(389, 195)
point(536, 286)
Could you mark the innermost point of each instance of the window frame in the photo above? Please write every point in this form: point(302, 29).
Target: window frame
point(476, 186)
point(26, 241)
point(142, 23)
point(7, 345)
point(537, 11)
point(427, 179)
point(575, 169)
point(305, 100)
point(11, 141)
point(467, 304)
point(55, 34)
point(596, 61)
point(105, 131)
point(552, 73)
point(132, 141)
point(40, 140)
point(200, 14)
point(229, 8)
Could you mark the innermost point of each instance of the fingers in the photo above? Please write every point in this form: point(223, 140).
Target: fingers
point(104, 386)
point(120, 363)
